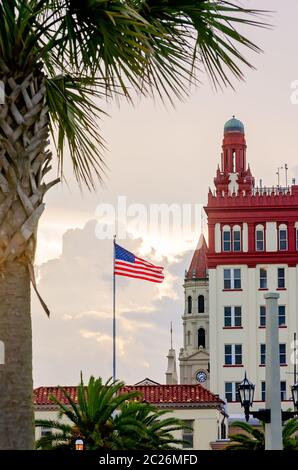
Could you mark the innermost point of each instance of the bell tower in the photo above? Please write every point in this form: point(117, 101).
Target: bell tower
point(234, 176)
point(194, 356)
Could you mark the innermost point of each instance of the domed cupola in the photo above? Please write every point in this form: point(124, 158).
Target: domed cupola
point(233, 125)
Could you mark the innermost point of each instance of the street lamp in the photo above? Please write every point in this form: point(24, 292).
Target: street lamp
point(246, 391)
point(79, 444)
point(294, 389)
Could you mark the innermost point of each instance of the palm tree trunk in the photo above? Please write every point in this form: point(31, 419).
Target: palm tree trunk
point(24, 162)
point(16, 396)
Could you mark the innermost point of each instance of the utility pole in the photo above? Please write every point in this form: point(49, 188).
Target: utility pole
point(273, 430)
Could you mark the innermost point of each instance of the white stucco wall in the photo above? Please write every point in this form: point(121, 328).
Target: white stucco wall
point(217, 238)
point(251, 336)
point(271, 236)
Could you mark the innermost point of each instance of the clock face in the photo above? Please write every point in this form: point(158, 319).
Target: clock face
point(201, 376)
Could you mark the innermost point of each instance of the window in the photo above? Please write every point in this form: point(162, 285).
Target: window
point(282, 354)
point(226, 236)
point(45, 431)
point(281, 315)
point(281, 278)
point(223, 429)
point(262, 315)
point(260, 245)
point(232, 278)
point(233, 354)
point(187, 434)
point(283, 391)
point(236, 238)
point(263, 354)
point(189, 304)
point(232, 316)
point(263, 391)
point(263, 278)
point(201, 337)
point(201, 304)
point(297, 238)
point(283, 237)
point(231, 391)
point(188, 338)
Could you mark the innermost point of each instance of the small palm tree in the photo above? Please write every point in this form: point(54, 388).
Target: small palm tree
point(105, 418)
point(254, 439)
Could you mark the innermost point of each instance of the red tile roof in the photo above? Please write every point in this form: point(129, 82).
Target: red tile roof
point(157, 394)
point(41, 395)
point(175, 394)
point(198, 265)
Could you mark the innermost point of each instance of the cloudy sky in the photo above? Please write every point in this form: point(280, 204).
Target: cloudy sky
point(156, 155)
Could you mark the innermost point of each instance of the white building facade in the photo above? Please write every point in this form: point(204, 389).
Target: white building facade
point(253, 249)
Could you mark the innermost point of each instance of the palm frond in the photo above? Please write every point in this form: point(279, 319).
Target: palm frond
point(73, 116)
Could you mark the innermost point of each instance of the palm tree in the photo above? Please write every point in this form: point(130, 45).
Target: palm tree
point(106, 418)
point(254, 439)
point(58, 60)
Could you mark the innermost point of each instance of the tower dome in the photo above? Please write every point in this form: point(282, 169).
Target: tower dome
point(233, 125)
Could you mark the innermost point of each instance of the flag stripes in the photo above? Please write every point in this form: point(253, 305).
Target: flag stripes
point(128, 265)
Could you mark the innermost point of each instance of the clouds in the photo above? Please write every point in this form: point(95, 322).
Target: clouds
point(77, 287)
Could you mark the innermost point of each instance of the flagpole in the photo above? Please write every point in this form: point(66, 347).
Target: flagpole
point(114, 311)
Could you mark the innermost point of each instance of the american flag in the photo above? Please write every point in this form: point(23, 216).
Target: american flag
point(127, 264)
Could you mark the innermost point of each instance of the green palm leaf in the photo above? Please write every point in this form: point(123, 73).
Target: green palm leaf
point(97, 49)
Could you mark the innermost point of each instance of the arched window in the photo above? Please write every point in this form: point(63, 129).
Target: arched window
point(236, 238)
point(201, 337)
point(260, 244)
point(226, 238)
point(189, 304)
point(233, 161)
point(2, 353)
point(283, 237)
point(188, 338)
point(201, 304)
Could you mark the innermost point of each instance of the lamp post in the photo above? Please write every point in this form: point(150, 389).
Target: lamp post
point(79, 444)
point(246, 392)
point(294, 389)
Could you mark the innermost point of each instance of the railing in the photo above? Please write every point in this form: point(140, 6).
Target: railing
point(263, 190)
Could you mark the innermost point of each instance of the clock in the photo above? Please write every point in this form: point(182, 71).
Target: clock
point(201, 376)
